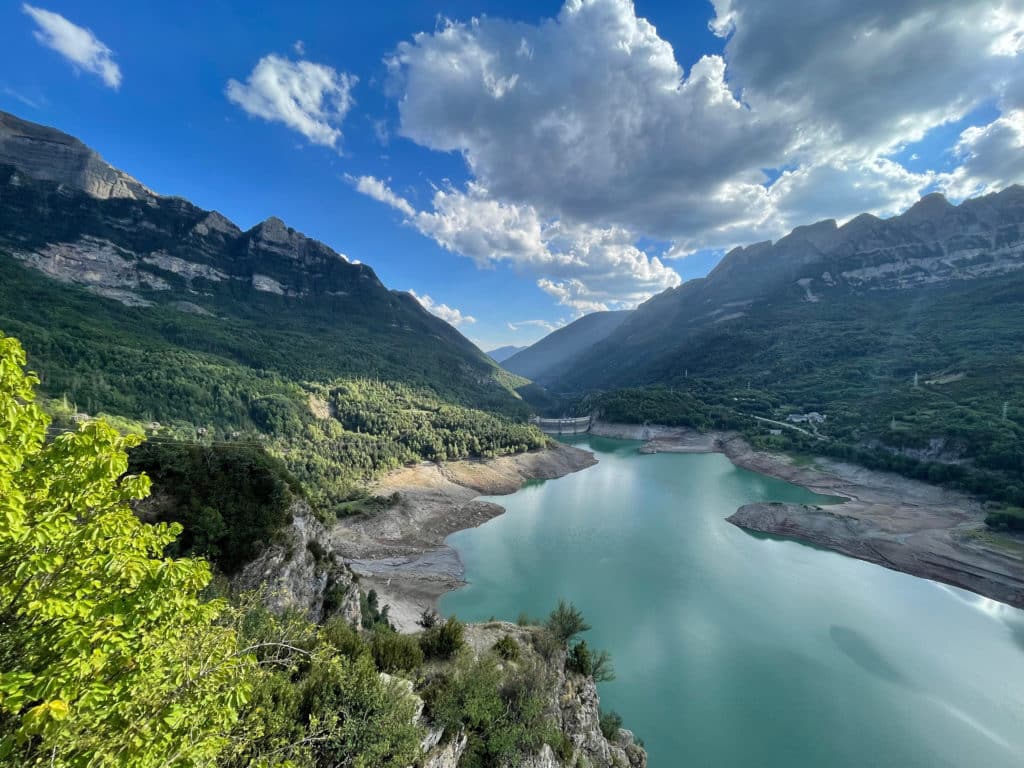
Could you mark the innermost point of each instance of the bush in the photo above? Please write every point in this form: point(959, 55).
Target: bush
point(1007, 518)
point(610, 722)
point(507, 647)
point(565, 622)
point(343, 637)
point(443, 640)
point(371, 614)
point(502, 712)
point(546, 644)
point(393, 652)
point(428, 618)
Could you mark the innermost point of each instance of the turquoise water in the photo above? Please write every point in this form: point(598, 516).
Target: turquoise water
point(740, 650)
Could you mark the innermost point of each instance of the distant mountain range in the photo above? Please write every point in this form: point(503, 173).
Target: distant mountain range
point(932, 248)
point(542, 362)
point(503, 353)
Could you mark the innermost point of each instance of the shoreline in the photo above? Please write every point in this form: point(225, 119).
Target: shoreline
point(884, 518)
point(401, 552)
point(887, 519)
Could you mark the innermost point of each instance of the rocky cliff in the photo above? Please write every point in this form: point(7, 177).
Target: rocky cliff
point(304, 572)
point(50, 155)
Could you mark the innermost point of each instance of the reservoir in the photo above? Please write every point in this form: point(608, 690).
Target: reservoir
point(739, 650)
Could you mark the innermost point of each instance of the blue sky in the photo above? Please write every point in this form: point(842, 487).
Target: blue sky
point(547, 159)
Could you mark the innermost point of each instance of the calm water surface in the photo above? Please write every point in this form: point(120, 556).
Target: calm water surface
point(738, 650)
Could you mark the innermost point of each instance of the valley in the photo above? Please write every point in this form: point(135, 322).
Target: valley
point(339, 459)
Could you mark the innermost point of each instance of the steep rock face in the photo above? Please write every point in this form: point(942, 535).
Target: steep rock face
point(304, 572)
point(50, 155)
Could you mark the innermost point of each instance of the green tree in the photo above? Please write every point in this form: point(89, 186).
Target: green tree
point(566, 621)
point(108, 656)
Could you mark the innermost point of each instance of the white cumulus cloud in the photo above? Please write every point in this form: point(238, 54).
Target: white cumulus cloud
point(310, 98)
point(450, 315)
point(590, 119)
point(583, 267)
point(76, 44)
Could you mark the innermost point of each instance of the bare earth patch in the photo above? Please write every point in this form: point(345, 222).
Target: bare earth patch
point(401, 553)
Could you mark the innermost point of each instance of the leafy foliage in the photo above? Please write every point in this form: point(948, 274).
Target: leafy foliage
point(507, 648)
point(565, 622)
point(393, 652)
point(109, 656)
point(596, 664)
point(443, 640)
point(231, 500)
point(610, 722)
point(501, 710)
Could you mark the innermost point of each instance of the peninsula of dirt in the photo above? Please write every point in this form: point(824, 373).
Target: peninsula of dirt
point(400, 551)
point(887, 519)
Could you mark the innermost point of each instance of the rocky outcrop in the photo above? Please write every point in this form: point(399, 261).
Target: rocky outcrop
point(51, 155)
point(303, 571)
point(573, 705)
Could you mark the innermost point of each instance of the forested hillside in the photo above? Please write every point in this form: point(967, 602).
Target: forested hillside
point(173, 320)
point(905, 336)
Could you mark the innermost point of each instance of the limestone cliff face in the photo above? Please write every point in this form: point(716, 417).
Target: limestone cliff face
point(50, 155)
point(303, 572)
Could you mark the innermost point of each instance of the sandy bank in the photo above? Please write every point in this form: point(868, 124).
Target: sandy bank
point(887, 519)
point(401, 553)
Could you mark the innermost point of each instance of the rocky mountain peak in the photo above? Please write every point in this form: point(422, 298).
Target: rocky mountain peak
point(51, 155)
point(929, 208)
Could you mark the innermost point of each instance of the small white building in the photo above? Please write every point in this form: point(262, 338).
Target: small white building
point(806, 418)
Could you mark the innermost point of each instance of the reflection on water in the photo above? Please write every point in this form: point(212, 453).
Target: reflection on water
point(860, 650)
point(734, 650)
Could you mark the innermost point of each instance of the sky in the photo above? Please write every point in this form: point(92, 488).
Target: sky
point(518, 164)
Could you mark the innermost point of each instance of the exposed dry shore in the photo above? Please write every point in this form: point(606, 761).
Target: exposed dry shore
point(401, 553)
point(887, 519)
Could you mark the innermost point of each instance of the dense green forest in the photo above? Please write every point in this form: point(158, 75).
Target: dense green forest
point(338, 409)
point(115, 655)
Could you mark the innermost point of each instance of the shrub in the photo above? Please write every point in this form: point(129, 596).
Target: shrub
point(1007, 518)
point(565, 622)
point(610, 722)
point(393, 652)
point(443, 641)
point(343, 637)
point(546, 644)
point(507, 647)
point(596, 664)
point(372, 615)
point(502, 712)
point(428, 618)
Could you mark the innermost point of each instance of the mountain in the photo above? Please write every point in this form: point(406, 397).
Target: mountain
point(503, 353)
point(542, 361)
point(931, 248)
point(905, 333)
point(152, 309)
